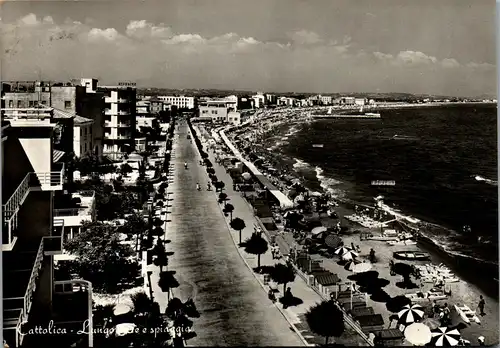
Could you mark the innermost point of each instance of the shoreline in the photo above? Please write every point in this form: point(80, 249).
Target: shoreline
point(469, 287)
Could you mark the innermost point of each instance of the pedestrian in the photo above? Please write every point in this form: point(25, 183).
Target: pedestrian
point(481, 305)
point(436, 308)
point(446, 313)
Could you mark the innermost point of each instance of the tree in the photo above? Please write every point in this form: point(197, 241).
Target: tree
point(282, 274)
point(125, 168)
point(142, 303)
point(219, 185)
point(256, 245)
point(229, 208)
point(157, 231)
point(222, 197)
point(238, 225)
point(158, 222)
point(326, 319)
point(210, 171)
point(161, 259)
point(167, 282)
point(101, 258)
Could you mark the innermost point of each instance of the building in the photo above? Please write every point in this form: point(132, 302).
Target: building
point(181, 102)
point(82, 209)
point(271, 99)
point(233, 102)
point(259, 101)
point(347, 101)
point(157, 105)
point(217, 110)
point(83, 141)
point(120, 120)
point(359, 101)
point(79, 97)
point(234, 118)
point(30, 235)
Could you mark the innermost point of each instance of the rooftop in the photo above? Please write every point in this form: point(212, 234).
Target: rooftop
point(82, 120)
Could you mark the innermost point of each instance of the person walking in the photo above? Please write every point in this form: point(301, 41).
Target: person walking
point(481, 305)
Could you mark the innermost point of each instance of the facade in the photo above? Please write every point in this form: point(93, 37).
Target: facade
point(347, 101)
point(234, 118)
point(120, 120)
point(78, 97)
point(259, 101)
point(359, 101)
point(217, 110)
point(83, 141)
point(233, 102)
point(271, 99)
point(181, 102)
point(30, 235)
point(157, 105)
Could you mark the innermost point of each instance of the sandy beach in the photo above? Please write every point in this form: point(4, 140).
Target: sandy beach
point(462, 292)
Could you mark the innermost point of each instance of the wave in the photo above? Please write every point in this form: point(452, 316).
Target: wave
point(328, 184)
point(300, 165)
point(486, 180)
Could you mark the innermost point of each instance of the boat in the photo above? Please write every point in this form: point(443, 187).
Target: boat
point(467, 314)
point(402, 242)
point(317, 145)
point(411, 255)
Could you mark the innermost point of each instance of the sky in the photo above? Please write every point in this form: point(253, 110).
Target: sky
point(444, 47)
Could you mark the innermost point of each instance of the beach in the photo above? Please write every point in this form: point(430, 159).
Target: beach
point(462, 291)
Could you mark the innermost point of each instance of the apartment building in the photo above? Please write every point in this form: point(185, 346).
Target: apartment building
point(234, 118)
point(359, 101)
point(258, 101)
point(217, 110)
point(79, 97)
point(181, 102)
point(30, 235)
point(119, 120)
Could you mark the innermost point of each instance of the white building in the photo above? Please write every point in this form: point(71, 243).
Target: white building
point(217, 110)
point(359, 101)
point(258, 101)
point(233, 100)
point(120, 119)
point(234, 118)
point(82, 136)
point(181, 102)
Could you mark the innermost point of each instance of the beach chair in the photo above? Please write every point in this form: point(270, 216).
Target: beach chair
point(467, 314)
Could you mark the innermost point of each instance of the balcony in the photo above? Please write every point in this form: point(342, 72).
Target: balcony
point(73, 217)
point(124, 137)
point(22, 269)
point(53, 245)
point(124, 124)
point(110, 124)
point(109, 112)
point(123, 112)
point(110, 100)
point(122, 101)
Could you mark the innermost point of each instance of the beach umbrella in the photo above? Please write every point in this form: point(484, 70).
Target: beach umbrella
point(350, 264)
point(333, 241)
point(122, 308)
point(124, 329)
point(318, 230)
point(362, 267)
point(349, 255)
point(246, 176)
point(418, 334)
point(444, 336)
point(410, 314)
point(342, 250)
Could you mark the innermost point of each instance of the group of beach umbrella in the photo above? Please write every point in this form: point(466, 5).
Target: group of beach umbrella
point(352, 264)
point(419, 334)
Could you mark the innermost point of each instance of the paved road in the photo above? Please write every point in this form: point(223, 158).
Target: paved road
point(234, 308)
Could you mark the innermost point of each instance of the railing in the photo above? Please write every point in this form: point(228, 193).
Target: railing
point(123, 112)
point(126, 137)
point(69, 211)
point(9, 229)
point(54, 178)
point(125, 124)
point(18, 196)
point(28, 297)
point(108, 112)
point(122, 100)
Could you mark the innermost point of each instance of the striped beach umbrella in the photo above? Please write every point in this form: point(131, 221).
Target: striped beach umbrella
point(349, 255)
point(349, 266)
point(410, 314)
point(445, 337)
point(342, 250)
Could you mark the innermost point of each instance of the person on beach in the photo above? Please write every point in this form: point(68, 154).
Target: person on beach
point(436, 308)
point(481, 305)
point(480, 340)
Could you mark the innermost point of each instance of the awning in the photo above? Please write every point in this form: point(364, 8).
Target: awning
point(57, 155)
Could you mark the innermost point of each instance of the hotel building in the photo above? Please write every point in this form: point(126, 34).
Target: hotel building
point(181, 102)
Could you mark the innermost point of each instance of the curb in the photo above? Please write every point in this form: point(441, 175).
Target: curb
point(292, 325)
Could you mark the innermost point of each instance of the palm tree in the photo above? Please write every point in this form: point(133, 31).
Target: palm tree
point(283, 274)
point(256, 245)
point(229, 208)
point(326, 319)
point(238, 225)
point(161, 258)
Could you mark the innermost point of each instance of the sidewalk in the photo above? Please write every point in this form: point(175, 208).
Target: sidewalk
point(296, 314)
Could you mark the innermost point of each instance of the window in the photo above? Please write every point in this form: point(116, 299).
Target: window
point(67, 104)
point(85, 147)
point(11, 103)
point(19, 104)
point(31, 103)
point(44, 102)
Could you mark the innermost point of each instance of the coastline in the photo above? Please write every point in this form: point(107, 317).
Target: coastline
point(468, 288)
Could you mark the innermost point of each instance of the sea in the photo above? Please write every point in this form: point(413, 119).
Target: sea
point(434, 164)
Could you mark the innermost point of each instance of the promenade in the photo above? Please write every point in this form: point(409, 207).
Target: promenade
point(235, 310)
point(294, 314)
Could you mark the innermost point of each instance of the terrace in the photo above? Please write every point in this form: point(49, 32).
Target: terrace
point(34, 181)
